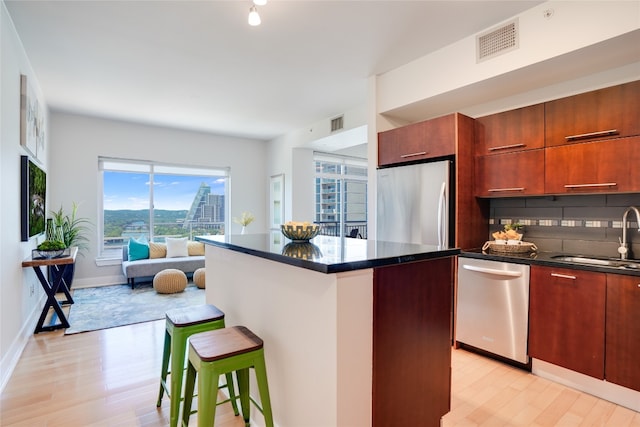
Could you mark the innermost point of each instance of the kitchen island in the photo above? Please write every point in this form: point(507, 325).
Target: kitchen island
point(357, 332)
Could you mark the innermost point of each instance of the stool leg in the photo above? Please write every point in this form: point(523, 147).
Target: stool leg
point(178, 350)
point(208, 379)
point(188, 394)
point(232, 393)
point(165, 366)
point(243, 385)
point(263, 388)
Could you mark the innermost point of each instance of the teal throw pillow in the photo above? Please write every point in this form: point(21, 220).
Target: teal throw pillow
point(138, 249)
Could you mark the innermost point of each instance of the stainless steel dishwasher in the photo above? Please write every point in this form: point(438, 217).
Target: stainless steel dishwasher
point(492, 312)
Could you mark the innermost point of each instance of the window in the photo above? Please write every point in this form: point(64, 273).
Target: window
point(341, 195)
point(154, 201)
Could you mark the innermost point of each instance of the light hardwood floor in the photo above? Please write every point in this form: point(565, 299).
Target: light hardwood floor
point(110, 378)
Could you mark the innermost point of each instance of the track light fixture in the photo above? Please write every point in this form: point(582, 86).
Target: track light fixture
point(254, 17)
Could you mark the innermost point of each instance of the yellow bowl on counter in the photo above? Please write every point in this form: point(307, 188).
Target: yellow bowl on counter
point(300, 231)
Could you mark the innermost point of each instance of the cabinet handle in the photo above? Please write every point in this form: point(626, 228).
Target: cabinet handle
point(563, 276)
point(493, 190)
point(504, 147)
point(420, 153)
point(591, 135)
point(602, 184)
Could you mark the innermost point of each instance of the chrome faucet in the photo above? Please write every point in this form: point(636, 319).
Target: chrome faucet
point(623, 250)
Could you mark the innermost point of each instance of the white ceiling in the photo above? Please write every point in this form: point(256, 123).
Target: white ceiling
point(198, 64)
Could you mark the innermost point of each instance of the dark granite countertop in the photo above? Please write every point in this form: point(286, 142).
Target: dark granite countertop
point(547, 259)
point(327, 254)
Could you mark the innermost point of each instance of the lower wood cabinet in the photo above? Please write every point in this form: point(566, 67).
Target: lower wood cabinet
point(567, 318)
point(412, 322)
point(587, 322)
point(623, 331)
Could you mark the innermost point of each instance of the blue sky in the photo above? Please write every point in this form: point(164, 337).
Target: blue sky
point(171, 192)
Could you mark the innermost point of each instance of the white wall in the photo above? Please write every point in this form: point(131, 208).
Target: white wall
point(77, 142)
point(288, 152)
point(20, 292)
point(452, 76)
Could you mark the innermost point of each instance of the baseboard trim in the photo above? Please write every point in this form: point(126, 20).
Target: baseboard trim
point(94, 282)
point(12, 356)
point(605, 390)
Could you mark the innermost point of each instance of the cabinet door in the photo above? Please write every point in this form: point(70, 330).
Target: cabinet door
point(510, 174)
point(515, 130)
point(593, 167)
point(412, 321)
point(567, 318)
point(418, 141)
point(601, 114)
point(622, 364)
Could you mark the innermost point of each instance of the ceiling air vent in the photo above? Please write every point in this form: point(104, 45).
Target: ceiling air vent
point(497, 41)
point(337, 123)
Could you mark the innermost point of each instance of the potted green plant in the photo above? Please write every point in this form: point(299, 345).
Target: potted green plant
point(72, 231)
point(51, 248)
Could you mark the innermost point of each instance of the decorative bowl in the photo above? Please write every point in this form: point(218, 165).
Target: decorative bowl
point(50, 254)
point(300, 232)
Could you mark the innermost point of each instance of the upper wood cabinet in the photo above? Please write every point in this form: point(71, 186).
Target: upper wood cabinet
point(514, 130)
point(593, 167)
point(418, 141)
point(623, 331)
point(510, 174)
point(601, 114)
point(567, 318)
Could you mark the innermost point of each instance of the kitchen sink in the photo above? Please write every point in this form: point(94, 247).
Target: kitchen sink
point(599, 261)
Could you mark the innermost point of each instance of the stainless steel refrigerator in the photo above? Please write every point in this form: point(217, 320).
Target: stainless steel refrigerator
point(414, 203)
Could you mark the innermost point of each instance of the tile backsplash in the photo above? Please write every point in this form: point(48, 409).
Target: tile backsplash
point(576, 224)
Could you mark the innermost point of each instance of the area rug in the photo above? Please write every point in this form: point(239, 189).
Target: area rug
point(118, 305)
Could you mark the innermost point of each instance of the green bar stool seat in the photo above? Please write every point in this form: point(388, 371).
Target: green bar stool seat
point(221, 352)
point(181, 323)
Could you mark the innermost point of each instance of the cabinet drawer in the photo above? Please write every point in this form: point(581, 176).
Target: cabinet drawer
point(418, 141)
point(515, 130)
point(601, 114)
point(593, 167)
point(567, 318)
point(510, 174)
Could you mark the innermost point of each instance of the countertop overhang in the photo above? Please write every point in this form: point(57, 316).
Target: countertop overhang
point(327, 254)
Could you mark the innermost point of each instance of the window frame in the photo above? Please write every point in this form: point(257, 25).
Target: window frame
point(341, 179)
point(152, 168)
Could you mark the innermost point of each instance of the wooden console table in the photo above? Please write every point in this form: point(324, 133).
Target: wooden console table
point(51, 289)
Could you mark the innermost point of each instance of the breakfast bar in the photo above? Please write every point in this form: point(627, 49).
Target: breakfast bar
point(357, 332)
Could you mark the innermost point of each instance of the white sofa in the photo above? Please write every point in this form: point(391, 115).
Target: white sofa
point(149, 267)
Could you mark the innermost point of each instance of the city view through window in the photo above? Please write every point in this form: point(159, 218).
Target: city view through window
point(341, 196)
point(154, 206)
point(153, 202)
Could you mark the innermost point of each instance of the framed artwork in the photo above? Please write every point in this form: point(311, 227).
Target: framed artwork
point(276, 201)
point(31, 120)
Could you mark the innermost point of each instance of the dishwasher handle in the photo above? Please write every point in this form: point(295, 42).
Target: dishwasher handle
point(493, 271)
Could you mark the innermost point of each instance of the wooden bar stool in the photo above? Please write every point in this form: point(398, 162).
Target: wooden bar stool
point(181, 323)
point(219, 352)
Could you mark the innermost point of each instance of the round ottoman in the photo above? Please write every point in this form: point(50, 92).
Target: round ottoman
point(170, 281)
point(198, 277)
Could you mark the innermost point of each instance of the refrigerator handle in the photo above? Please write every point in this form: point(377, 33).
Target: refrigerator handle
point(442, 216)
